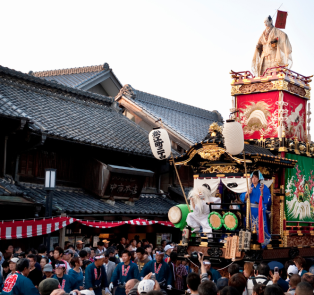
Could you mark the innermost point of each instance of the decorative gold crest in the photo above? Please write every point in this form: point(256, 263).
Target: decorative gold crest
point(221, 169)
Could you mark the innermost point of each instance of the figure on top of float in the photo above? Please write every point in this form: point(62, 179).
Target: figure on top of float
point(273, 49)
point(200, 199)
point(255, 192)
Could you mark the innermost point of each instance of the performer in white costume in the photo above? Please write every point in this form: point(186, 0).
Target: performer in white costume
point(200, 198)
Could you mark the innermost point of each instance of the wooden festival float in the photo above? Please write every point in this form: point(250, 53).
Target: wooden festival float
point(274, 112)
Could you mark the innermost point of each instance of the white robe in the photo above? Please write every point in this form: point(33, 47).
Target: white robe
point(196, 219)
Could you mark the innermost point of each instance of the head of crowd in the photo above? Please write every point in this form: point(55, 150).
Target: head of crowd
point(136, 267)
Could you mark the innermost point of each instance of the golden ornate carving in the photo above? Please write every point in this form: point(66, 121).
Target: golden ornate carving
point(263, 170)
point(307, 93)
point(221, 169)
point(235, 90)
point(296, 89)
point(256, 87)
point(215, 127)
point(280, 85)
point(211, 154)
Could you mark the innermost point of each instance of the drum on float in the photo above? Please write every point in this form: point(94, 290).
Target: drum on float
point(178, 214)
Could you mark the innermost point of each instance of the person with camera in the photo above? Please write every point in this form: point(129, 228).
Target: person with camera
point(261, 277)
point(161, 270)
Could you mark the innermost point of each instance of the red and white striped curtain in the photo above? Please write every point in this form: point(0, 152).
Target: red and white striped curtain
point(36, 227)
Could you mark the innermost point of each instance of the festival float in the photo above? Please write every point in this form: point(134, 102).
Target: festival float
point(265, 149)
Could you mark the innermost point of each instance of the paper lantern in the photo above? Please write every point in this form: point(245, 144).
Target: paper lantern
point(233, 136)
point(160, 143)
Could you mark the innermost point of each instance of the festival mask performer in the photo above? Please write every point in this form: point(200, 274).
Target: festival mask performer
point(260, 205)
point(96, 277)
point(161, 270)
point(124, 271)
point(200, 198)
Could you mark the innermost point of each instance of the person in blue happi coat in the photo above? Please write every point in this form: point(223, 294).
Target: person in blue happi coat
point(66, 282)
point(161, 270)
point(18, 283)
point(95, 276)
point(124, 271)
point(255, 193)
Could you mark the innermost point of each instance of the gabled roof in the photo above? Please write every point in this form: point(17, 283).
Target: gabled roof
point(70, 114)
point(190, 122)
point(81, 78)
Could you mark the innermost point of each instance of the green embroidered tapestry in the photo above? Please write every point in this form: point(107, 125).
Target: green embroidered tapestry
point(300, 189)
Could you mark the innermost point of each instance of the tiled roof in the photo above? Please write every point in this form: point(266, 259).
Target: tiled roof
point(69, 113)
point(191, 122)
point(73, 77)
point(77, 201)
point(254, 150)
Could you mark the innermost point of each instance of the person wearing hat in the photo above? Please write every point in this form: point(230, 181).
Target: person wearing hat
point(12, 265)
point(66, 282)
point(168, 249)
point(106, 244)
point(124, 271)
point(96, 277)
point(254, 194)
point(215, 273)
point(68, 255)
point(18, 283)
point(161, 270)
point(79, 246)
point(292, 270)
point(47, 270)
point(47, 286)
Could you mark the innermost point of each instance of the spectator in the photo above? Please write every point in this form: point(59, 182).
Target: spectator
point(58, 255)
point(309, 278)
point(262, 273)
point(168, 249)
point(149, 251)
point(48, 271)
point(294, 281)
point(229, 291)
point(207, 288)
point(68, 255)
point(66, 282)
point(281, 282)
point(145, 242)
point(76, 273)
point(181, 274)
point(259, 289)
point(109, 266)
point(121, 246)
point(292, 270)
point(130, 285)
point(193, 281)
point(112, 256)
point(300, 264)
point(1, 258)
point(273, 290)
point(106, 244)
point(163, 244)
point(18, 283)
point(5, 270)
point(215, 274)
point(79, 246)
point(133, 244)
point(34, 274)
point(303, 288)
point(92, 254)
point(233, 269)
point(46, 287)
point(248, 270)
point(43, 262)
point(238, 281)
point(222, 283)
point(140, 260)
point(17, 250)
point(9, 249)
point(145, 286)
point(66, 244)
point(139, 244)
point(12, 265)
point(100, 247)
point(88, 251)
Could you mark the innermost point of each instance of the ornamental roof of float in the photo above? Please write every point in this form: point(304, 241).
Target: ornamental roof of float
point(78, 201)
point(190, 122)
point(69, 114)
point(76, 77)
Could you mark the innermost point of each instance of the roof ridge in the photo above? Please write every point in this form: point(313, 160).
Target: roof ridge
point(69, 71)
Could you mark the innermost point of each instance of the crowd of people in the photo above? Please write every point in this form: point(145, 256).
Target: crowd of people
point(137, 268)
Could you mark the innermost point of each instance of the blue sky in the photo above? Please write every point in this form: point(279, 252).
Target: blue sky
point(182, 50)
